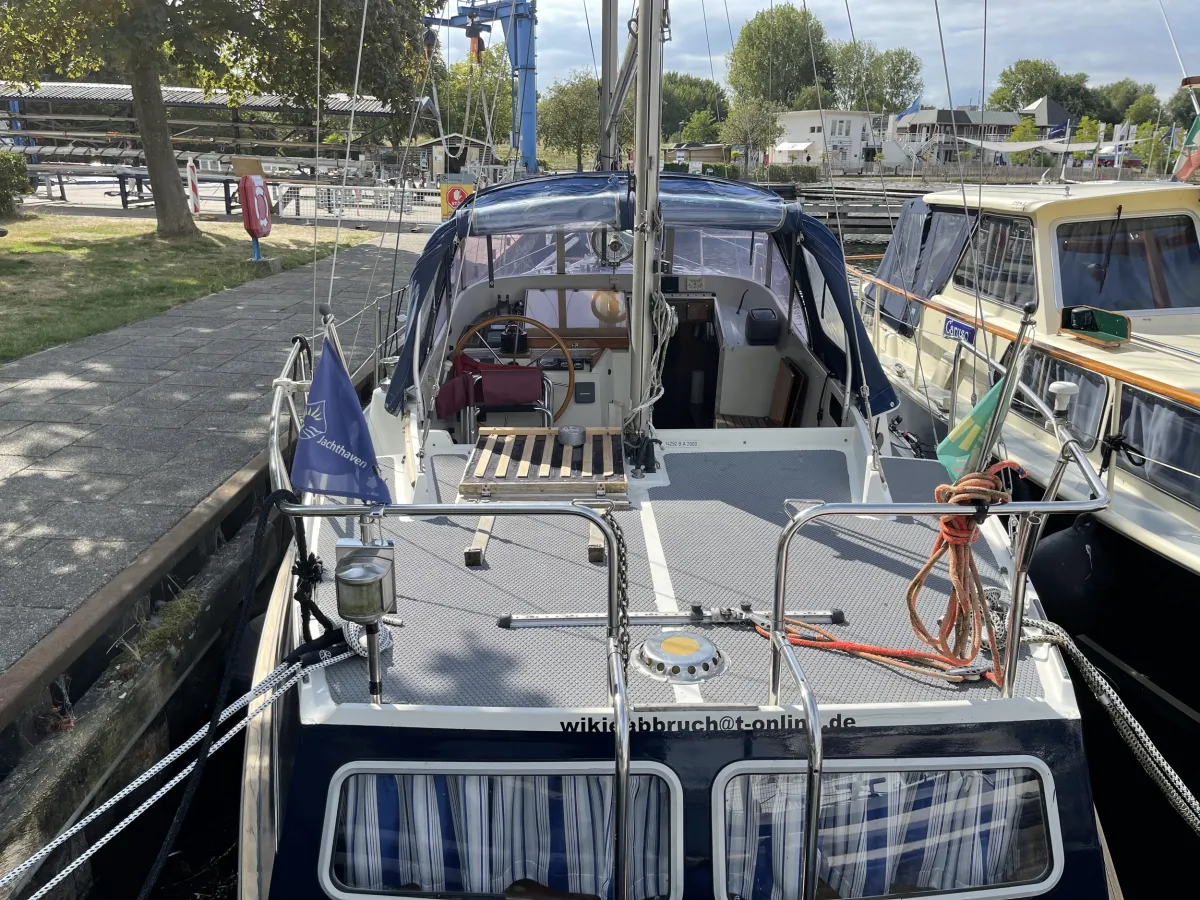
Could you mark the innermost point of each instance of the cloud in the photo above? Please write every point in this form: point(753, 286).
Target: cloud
point(1108, 39)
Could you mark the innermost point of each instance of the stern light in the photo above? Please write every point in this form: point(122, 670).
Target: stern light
point(366, 591)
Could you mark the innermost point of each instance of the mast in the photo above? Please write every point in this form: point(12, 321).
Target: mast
point(608, 85)
point(647, 222)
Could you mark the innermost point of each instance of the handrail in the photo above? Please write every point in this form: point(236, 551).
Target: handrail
point(475, 510)
point(275, 464)
point(620, 704)
point(889, 510)
point(816, 764)
point(616, 675)
point(1154, 386)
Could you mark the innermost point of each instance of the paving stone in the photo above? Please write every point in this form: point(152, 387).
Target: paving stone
point(136, 437)
point(22, 627)
point(165, 396)
point(11, 464)
point(110, 520)
point(98, 394)
point(121, 414)
point(104, 461)
point(41, 485)
point(181, 485)
point(42, 412)
point(40, 440)
point(98, 371)
point(61, 572)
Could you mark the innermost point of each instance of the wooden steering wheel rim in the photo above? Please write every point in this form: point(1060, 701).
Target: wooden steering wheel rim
point(554, 336)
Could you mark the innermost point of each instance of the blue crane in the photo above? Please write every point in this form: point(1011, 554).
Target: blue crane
point(518, 21)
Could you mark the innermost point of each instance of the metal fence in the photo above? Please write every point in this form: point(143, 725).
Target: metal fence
point(369, 203)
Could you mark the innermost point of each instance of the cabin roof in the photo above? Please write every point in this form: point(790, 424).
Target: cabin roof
point(1028, 198)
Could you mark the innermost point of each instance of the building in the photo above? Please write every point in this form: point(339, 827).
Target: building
point(1047, 114)
point(841, 137)
point(694, 152)
point(935, 130)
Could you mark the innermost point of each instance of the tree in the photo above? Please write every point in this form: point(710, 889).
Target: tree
point(684, 95)
point(464, 82)
point(1118, 96)
point(701, 128)
point(898, 81)
point(1152, 147)
point(1086, 132)
point(1025, 131)
point(771, 59)
point(569, 117)
point(1180, 109)
point(1145, 108)
point(813, 97)
point(1024, 82)
point(243, 46)
point(753, 123)
point(854, 64)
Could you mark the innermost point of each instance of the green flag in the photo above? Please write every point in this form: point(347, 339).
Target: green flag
point(955, 450)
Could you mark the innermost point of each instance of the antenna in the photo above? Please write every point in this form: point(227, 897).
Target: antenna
point(1182, 67)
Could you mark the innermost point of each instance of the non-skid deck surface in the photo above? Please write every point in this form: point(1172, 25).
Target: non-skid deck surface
point(718, 522)
point(527, 461)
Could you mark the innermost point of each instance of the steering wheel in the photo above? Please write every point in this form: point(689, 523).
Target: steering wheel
point(554, 336)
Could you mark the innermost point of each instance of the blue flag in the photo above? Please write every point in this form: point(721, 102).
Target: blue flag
point(334, 454)
point(1058, 131)
point(914, 108)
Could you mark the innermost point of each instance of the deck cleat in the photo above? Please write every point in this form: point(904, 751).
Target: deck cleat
point(680, 657)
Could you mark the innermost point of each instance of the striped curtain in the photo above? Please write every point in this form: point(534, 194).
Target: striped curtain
point(481, 833)
point(884, 833)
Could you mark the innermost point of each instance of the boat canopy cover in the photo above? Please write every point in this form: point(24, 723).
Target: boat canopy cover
point(605, 199)
point(924, 250)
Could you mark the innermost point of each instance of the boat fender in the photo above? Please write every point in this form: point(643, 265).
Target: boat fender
point(1073, 575)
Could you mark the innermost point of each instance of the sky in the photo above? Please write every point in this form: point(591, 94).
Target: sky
point(1108, 39)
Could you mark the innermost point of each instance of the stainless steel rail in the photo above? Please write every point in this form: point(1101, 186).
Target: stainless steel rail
point(816, 764)
point(475, 510)
point(620, 705)
point(1030, 517)
point(278, 469)
point(879, 510)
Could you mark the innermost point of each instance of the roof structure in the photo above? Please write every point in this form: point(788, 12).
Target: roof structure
point(189, 97)
point(1046, 113)
point(1028, 197)
point(1000, 117)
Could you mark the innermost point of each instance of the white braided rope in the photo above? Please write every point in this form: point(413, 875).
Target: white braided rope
point(274, 681)
point(1147, 754)
point(665, 321)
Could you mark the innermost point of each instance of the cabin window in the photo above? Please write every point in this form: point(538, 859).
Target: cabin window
point(716, 251)
point(1164, 441)
point(781, 286)
point(1140, 263)
point(1086, 411)
point(1002, 251)
point(421, 833)
point(887, 833)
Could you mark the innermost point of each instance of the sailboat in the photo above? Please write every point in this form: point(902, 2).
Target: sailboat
point(637, 603)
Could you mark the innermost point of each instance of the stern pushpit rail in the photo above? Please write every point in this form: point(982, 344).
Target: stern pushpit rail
point(598, 515)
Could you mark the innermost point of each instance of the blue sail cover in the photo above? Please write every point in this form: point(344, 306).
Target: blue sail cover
point(605, 199)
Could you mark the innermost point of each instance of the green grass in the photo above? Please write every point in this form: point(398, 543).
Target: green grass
point(66, 277)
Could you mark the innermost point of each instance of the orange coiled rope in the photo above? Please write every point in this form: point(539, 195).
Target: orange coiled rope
point(960, 635)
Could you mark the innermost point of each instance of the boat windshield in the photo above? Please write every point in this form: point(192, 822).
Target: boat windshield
point(1134, 263)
